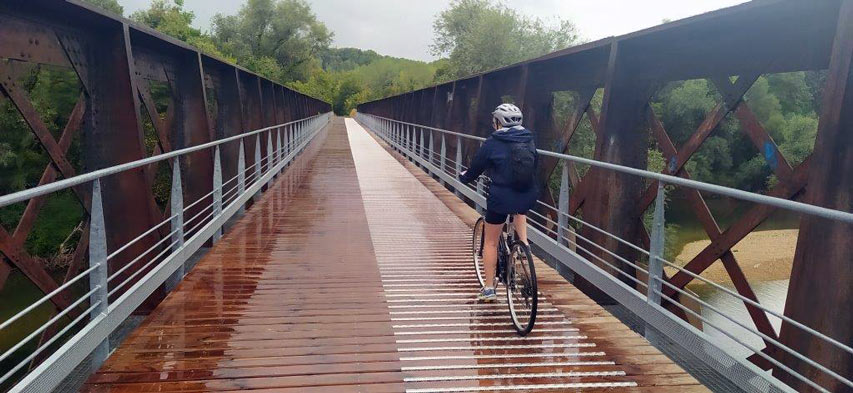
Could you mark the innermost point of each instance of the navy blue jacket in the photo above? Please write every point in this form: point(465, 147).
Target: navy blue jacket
point(493, 157)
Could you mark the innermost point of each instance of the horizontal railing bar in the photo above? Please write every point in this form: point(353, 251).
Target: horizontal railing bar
point(799, 325)
point(141, 255)
point(799, 207)
point(765, 337)
point(48, 374)
point(167, 249)
point(632, 264)
point(48, 343)
point(23, 195)
point(46, 297)
point(756, 304)
point(597, 229)
point(714, 355)
point(45, 325)
point(737, 340)
point(136, 239)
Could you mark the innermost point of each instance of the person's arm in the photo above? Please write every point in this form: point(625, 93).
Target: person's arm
point(478, 165)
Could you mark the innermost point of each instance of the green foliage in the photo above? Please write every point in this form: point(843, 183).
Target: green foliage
point(785, 105)
point(284, 32)
point(58, 218)
point(479, 35)
point(169, 17)
point(53, 92)
point(381, 77)
point(109, 5)
point(390, 76)
point(346, 59)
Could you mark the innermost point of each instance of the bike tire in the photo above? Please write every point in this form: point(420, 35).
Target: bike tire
point(522, 292)
point(477, 240)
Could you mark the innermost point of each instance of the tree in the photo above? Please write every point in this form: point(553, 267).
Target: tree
point(347, 59)
point(286, 31)
point(169, 17)
point(479, 35)
point(108, 5)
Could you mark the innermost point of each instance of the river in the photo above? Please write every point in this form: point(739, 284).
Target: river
point(771, 294)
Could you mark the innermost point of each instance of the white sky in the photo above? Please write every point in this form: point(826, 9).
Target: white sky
point(403, 28)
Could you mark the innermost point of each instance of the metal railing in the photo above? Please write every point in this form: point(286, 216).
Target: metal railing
point(162, 262)
point(561, 242)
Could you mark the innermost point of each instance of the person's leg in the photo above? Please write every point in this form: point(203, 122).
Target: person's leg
point(519, 221)
point(490, 252)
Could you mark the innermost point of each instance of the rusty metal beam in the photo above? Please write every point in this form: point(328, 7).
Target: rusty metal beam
point(32, 269)
point(735, 233)
point(25, 224)
point(820, 289)
point(5, 270)
point(25, 107)
point(611, 203)
point(709, 224)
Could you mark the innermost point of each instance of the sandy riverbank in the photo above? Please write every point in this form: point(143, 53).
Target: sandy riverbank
point(763, 256)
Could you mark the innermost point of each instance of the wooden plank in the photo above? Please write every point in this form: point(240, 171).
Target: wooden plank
point(299, 296)
point(611, 336)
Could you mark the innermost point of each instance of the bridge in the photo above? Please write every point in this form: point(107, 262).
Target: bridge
point(245, 238)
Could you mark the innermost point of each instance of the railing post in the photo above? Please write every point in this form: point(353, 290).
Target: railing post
point(278, 148)
point(98, 276)
point(422, 150)
point(413, 143)
point(289, 133)
point(241, 173)
point(443, 163)
point(480, 190)
point(217, 190)
point(271, 159)
point(563, 207)
point(431, 152)
point(458, 162)
point(257, 171)
point(656, 246)
point(176, 201)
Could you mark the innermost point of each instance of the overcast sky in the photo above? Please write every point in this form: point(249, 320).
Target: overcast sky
point(403, 28)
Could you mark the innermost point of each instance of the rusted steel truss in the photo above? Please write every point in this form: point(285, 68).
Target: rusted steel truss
point(129, 74)
point(741, 42)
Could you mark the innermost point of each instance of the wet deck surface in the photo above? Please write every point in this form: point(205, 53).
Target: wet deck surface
point(352, 274)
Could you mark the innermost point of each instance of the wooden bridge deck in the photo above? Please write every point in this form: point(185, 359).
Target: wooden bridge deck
point(352, 274)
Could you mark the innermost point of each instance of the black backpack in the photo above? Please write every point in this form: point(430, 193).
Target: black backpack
point(522, 157)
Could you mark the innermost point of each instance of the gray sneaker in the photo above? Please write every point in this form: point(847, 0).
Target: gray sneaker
point(487, 295)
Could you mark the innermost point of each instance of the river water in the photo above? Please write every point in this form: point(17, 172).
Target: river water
point(771, 294)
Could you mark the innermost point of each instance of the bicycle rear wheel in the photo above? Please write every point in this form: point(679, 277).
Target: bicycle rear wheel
point(522, 292)
point(477, 250)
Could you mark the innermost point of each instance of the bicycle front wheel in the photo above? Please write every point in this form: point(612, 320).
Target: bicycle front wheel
point(477, 250)
point(522, 292)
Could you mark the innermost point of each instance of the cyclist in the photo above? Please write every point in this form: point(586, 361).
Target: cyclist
point(509, 158)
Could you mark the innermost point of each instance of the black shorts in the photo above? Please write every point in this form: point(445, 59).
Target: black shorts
point(498, 218)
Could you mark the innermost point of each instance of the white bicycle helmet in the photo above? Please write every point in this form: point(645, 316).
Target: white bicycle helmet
point(508, 115)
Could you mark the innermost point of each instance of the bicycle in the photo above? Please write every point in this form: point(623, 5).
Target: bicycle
point(519, 276)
